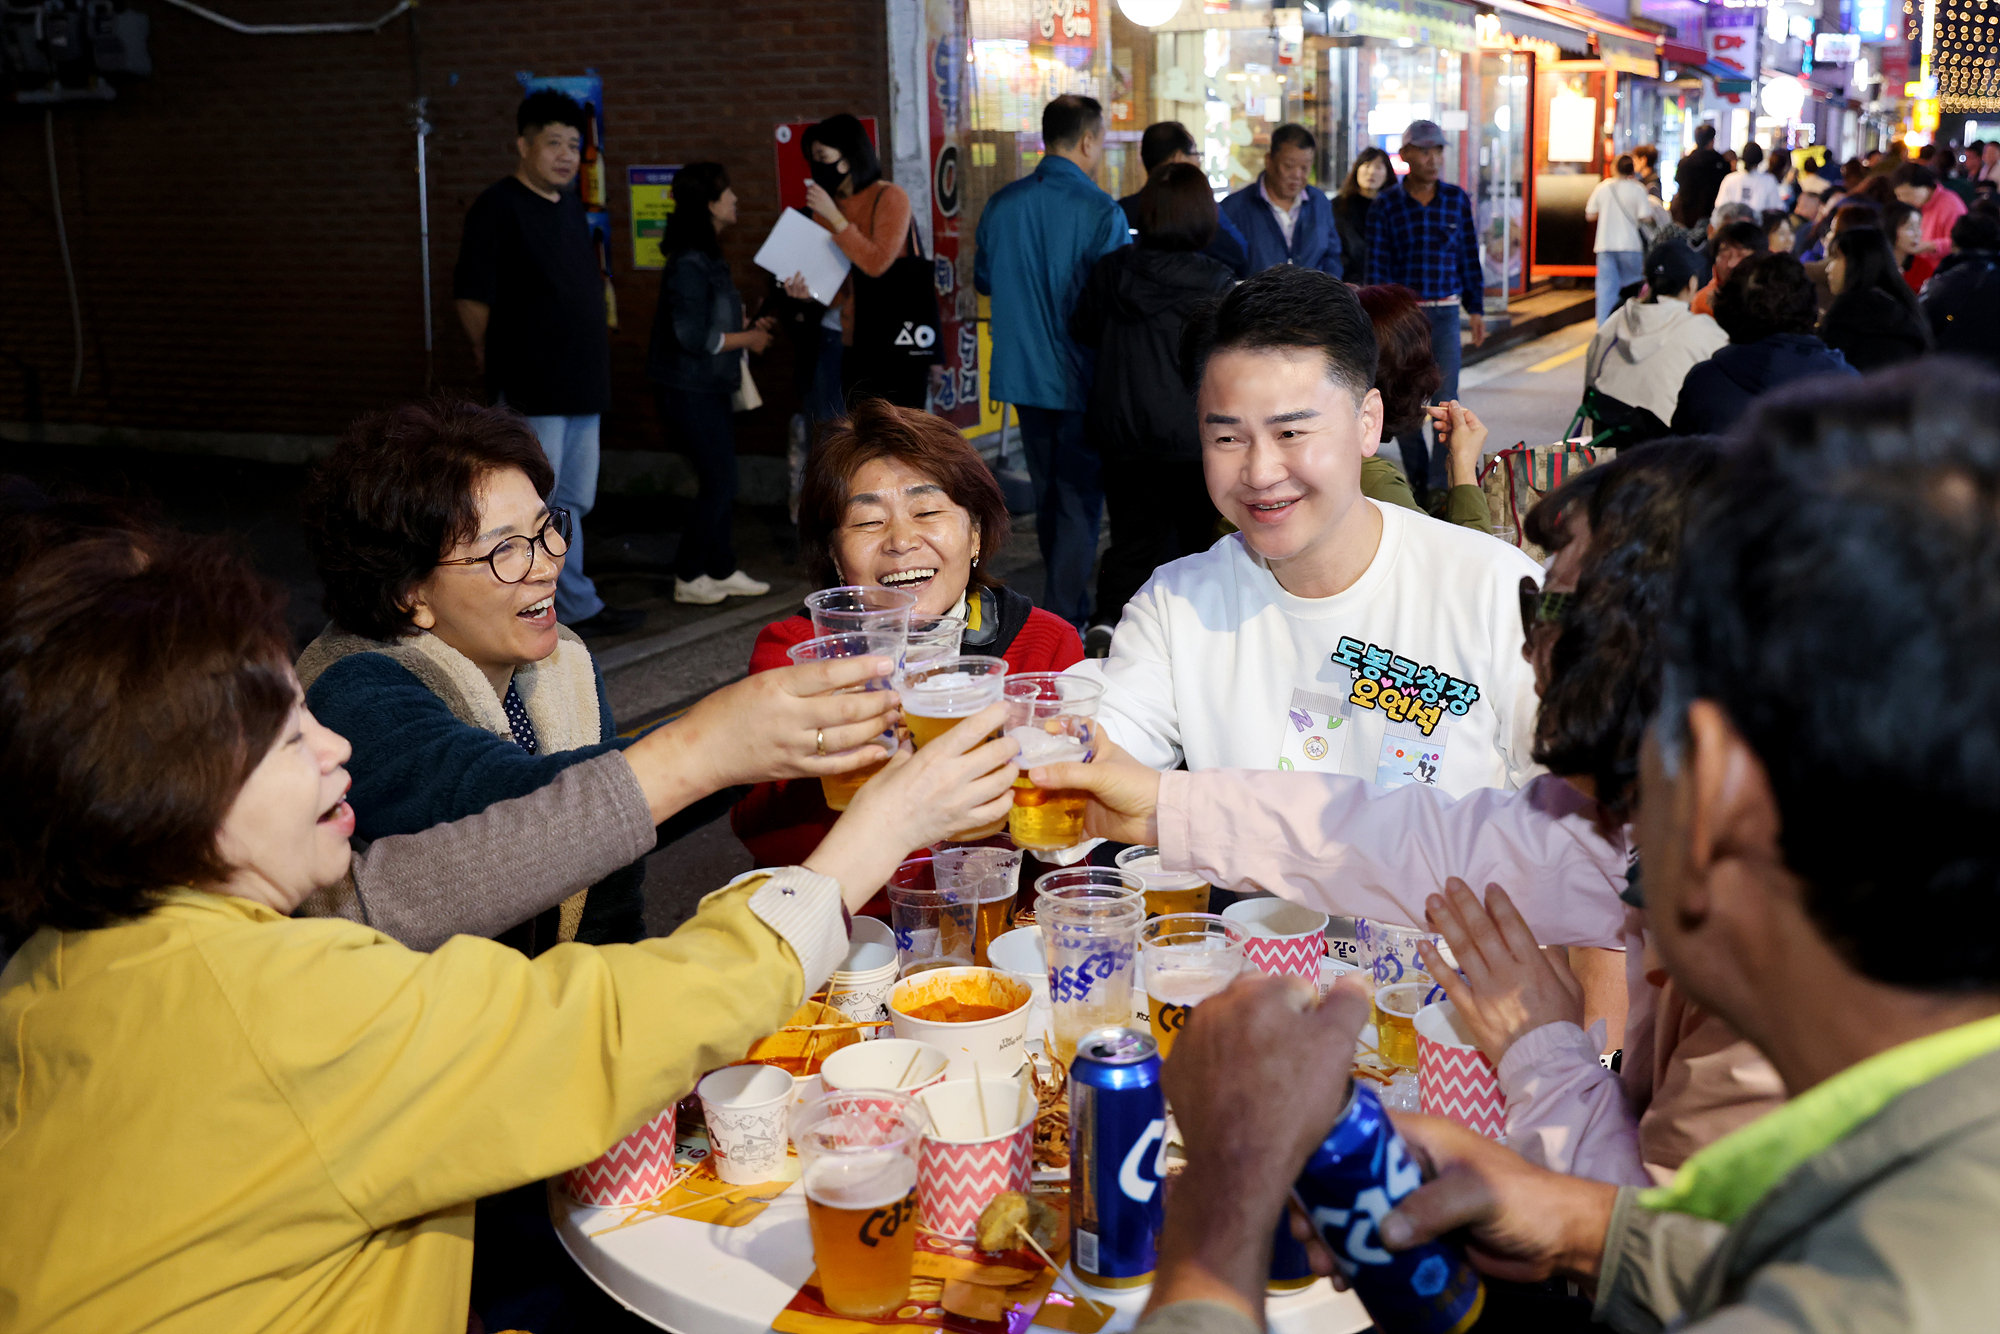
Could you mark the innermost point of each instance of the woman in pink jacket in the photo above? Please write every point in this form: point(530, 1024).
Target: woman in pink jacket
point(1346, 846)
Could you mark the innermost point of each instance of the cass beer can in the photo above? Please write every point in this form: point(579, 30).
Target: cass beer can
point(1349, 1185)
point(1117, 1128)
point(1290, 1269)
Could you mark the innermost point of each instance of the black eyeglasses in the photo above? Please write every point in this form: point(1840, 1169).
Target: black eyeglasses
point(511, 560)
point(1539, 608)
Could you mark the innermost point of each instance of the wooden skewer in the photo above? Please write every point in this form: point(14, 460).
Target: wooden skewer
point(979, 1094)
point(911, 1066)
point(833, 1028)
point(1068, 1287)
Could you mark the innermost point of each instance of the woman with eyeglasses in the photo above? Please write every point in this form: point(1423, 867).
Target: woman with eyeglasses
point(446, 669)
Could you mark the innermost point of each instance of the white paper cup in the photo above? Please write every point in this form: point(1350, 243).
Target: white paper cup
point(1020, 955)
point(997, 1046)
point(746, 1107)
point(879, 1065)
point(1330, 971)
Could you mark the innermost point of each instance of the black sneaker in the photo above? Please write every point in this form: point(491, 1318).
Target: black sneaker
point(1097, 642)
point(610, 621)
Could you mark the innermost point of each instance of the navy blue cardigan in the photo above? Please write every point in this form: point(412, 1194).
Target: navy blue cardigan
point(416, 765)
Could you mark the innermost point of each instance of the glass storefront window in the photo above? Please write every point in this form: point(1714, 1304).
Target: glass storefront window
point(1503, 170)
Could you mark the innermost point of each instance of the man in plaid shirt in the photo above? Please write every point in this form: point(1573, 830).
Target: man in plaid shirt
point(1422, 236)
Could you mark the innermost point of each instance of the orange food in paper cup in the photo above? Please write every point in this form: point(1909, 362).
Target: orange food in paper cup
point(976, 1016)
point(803, 1043)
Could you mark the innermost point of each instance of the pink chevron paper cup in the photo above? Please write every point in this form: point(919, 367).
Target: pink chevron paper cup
point(1454, 1078)
point(1286, 939)
point(632, 1171)
point(961, 1167)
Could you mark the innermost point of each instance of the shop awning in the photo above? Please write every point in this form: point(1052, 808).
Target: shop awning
point(1727, 78)
point(1675, 53)
point(1440, 23)
point(1518, 19)
point(1626, 50)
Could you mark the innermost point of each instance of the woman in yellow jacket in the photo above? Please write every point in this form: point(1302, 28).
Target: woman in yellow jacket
point(214, 1117)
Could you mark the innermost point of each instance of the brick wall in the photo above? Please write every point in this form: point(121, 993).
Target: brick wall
point(244, 223)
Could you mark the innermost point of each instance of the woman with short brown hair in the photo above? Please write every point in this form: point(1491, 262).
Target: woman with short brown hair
point(217, 1117)
point(897, 497)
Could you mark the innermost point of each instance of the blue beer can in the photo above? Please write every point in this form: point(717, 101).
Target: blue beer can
point(1117, 1130)
point(1349, 1185)
point(1290, 1269)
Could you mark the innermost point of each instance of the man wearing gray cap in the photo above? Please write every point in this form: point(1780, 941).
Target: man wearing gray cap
point(1422, 236)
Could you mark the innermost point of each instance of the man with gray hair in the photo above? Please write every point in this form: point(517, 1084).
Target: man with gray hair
point(1421, 234)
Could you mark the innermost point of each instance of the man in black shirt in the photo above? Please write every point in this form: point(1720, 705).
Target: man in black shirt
point(531, 298)
point(1169, 141)
point(1698, 179)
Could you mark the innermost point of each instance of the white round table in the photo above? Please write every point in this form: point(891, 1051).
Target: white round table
point(697, 1278)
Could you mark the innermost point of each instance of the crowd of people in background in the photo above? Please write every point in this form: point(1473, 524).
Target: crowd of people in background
point(358, 933)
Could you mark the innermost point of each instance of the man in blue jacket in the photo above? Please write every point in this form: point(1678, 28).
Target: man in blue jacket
point(1284, 220)
point(1037, 241)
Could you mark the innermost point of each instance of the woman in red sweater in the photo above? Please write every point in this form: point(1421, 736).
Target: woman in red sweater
point(897, 497)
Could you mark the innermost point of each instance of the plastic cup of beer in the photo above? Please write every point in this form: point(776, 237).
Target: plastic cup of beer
point(938, 693)
point(934, 928)
point(1090, 918)
point(987, 877)
point(1054, 717)
point(1184, 958)
point(858, 1164)
point(1166, 891)
point(839, 789)
point(1396, 1009)
point(860, 607)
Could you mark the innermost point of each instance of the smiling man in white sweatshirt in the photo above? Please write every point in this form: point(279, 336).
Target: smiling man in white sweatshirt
point(1331, 633)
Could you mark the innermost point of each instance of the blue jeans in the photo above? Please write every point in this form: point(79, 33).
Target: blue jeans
point(1445, 349)
point(1616, 271)
point(1069, 505)
point(571, 444)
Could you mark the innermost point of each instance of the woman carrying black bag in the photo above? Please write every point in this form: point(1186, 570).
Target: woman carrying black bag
point(879, 338)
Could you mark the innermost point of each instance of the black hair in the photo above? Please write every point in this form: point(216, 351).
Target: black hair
point(1286, 307)
point(1176, 209)
point(1752, 156)
point(1771, 219)
point(1070, 119)
point(1351, 187)
point(1766, 294)
point(689, 226)
point(1704, 136)
point(547, 107)
point(1292, 135)
point(1975, 231)
point(1838, 597)
point(847, 136)
point(1915, 174)
point(1162, 140)
point(1604, 670)
point(1871, 266)
point(1623, 166)
point(1745, 235)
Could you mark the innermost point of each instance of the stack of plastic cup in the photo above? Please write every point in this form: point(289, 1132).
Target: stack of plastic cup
point(989, 878)
point(934, 928)
point(1090, 918)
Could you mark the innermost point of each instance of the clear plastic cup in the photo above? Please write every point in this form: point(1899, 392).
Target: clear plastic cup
point(937, 694)
point(839, 789)
point(1090, 918)
point(989, 878)
point(933, 637)
point(1184, 958)
point(858, 1157)
point(1166, 891)
point(860, 607)
point(1054, 718)
point(935, 928)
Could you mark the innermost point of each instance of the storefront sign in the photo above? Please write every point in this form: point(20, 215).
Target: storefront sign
point(1733, 36)
point(961, 396)
point(652, 205)
point(1438, 23)
point(1572, 128)
point(1836, 48)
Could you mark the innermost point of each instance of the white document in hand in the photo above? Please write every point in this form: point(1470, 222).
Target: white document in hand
point(799, 245)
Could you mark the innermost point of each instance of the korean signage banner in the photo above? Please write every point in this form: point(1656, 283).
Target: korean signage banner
point(960, 397)
point(652, 203)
